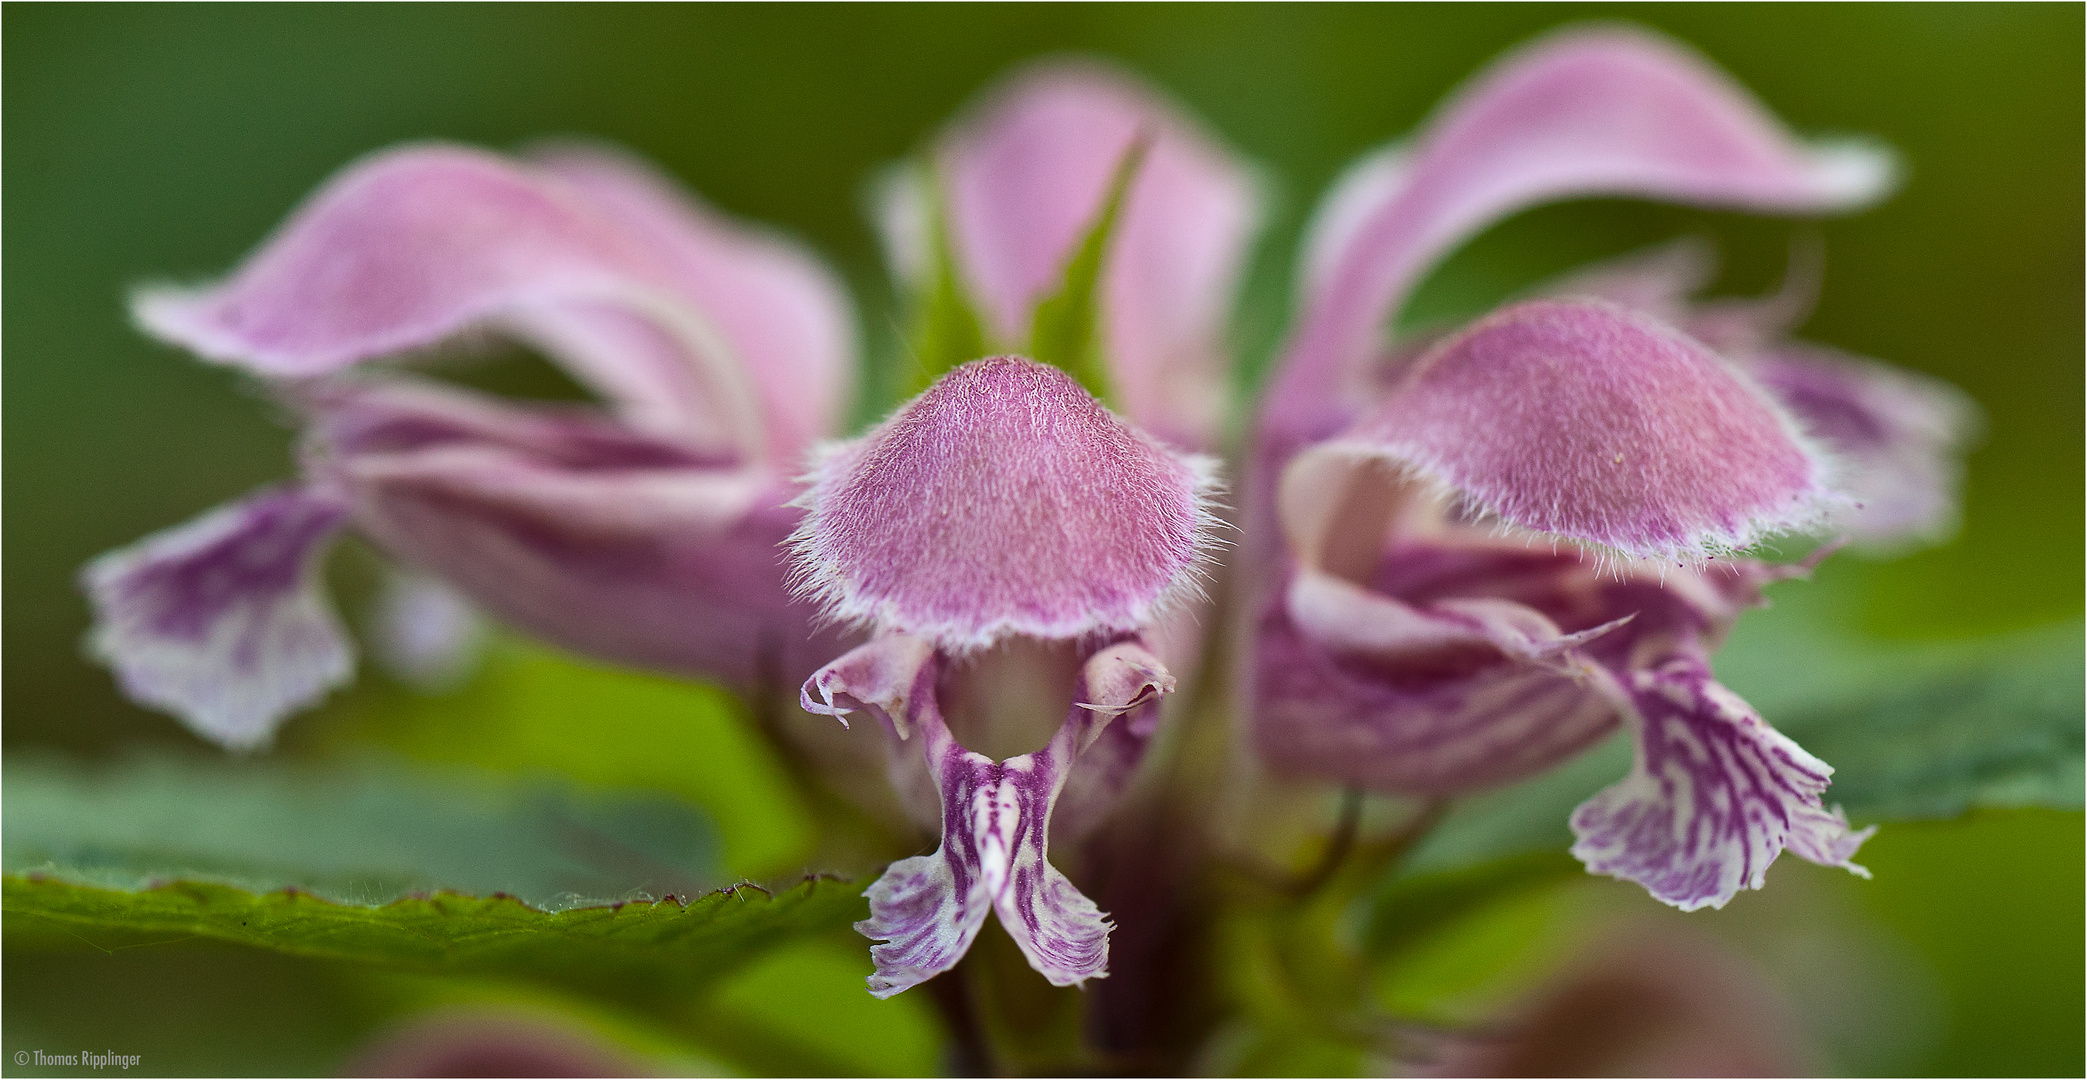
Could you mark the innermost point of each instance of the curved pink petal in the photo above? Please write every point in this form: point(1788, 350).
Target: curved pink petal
point(1365, 690)
point(1600, 426)
point(224, 621)
point(785, 314)
point(1026, 178)
point(492, 1040)
point(412, 247)
point(1355, 196)
point(1004, 500)
point(1588, 112)
point(1714, 796)
point(1124, 681)
point(888, 677)
point(1642, 999)
point(1896, 437)
point(611, 543)
point(1464, 663)
point(1660, 281)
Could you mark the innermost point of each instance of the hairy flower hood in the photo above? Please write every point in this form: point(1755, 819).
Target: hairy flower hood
point(1004, 500)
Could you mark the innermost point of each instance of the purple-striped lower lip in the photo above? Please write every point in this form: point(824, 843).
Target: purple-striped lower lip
point(1478, 667)
point(224, 621)
point(996, 815)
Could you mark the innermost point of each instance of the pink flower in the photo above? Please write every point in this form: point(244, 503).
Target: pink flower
point(1006, 527)
point(1498, 546)
point(644, 530)
point(1003, 508)
point(1022, 179)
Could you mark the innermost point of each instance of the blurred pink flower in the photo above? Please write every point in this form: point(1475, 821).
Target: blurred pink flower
point(1024, 176)
point(1498, 545)
point(1644, 1002)
point(642, 531)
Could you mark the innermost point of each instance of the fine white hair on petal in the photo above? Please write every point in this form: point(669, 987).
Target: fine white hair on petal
point(1583, 112)
point(1597, 425)
point(1005, 500)
point(1021, 180)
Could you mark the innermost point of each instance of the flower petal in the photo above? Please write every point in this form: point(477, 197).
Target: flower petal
point(224, 621)
point(426, 634)
point(1366, 184)
point(1658, 281)
point(785, 314)
point(611, 543)
point(1025, 179)
point(1467, 661)
point(494, 1040)
point(926, 910)
point(1358, 687)
point(1714, 796)
point(1124, 681)
point(1062, 932)
point(1589, 112)
point(1600, 426)
point(551, 461)
point(1642, 999)
point(924, 913)
point(415, 246)
point(1003, 500)
point(1897, 437)
point(890, 677)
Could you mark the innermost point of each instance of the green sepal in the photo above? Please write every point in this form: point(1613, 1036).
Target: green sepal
point(947, 330)
point(1063, 331)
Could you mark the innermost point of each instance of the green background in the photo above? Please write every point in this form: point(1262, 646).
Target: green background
point(156, 142)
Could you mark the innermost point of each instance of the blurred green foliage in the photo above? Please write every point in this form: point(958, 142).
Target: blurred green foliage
point(157, 142)
point(360, 835)
point(532, 712)
point(638, 952)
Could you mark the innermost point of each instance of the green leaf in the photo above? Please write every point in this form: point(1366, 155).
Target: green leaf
point(1412, 909)
point(365, 835)
point(947, 330)
point(627, 950)
point(2001, 726)
point(533, 712)
point(810, 996)
point(1527, 817)
point(1063, 332)
point(378, 865)
point(1481, 945)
